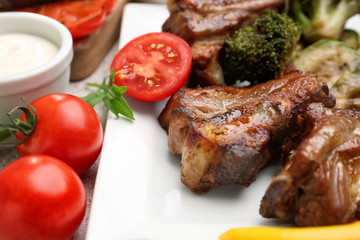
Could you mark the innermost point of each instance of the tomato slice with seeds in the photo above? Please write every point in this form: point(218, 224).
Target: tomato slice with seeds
point(152, 66)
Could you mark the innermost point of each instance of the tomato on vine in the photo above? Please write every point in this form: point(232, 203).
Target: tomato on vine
point(65, 126)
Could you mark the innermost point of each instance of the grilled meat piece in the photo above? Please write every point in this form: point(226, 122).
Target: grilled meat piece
point(205, 24)
point(7, 5)
point(320, 183)
point(227, 134)
point(192, 19)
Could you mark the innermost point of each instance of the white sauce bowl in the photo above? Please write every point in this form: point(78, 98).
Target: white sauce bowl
point(51, 77)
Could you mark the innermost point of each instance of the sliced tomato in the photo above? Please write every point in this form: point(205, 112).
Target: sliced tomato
point(80, 17)
point(152, 66)
point(108, 5)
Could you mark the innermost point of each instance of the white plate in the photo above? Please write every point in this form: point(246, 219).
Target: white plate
point(138, 193)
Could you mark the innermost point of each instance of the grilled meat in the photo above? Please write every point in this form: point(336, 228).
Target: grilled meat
point(227, 134)
point(205, 24)
point(320, 183)
point(7, 5)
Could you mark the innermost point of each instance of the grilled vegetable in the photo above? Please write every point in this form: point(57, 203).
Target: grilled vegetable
point(350, 38)
point(331, 60)
point(323, 18)
point(347, 90)
point(336, 64)
point(260, 52)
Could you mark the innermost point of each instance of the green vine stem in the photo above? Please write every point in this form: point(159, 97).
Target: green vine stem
point(26, 128)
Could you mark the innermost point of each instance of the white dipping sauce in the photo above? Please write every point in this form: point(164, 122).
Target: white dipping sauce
point(21, 52)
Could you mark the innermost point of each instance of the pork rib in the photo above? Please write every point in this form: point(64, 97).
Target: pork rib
point(9, 5)
point(320, 183)
point(227, 134)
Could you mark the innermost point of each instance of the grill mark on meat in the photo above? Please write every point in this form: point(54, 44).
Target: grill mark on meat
point(205, 24)
point(319, 185)
point(208, 6)
point(227, 134)
point(9, 5)
point(197, 25)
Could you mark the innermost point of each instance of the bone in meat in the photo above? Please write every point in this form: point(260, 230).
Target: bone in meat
point(227, 134)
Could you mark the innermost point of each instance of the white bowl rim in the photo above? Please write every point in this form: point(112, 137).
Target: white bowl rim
point(55, 65)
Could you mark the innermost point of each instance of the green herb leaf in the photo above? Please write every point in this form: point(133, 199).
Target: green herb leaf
point(111, 95)
point(94, 98)
point(119, 105)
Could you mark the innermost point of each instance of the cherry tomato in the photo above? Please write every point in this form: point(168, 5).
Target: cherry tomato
point(40, 198)
point(68, 128)
point(80, 17)
point(153, 66)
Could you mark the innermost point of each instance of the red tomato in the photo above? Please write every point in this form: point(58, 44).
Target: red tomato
point(153, 66)
point(80, 17)
point(108, 5)
point(40, 198)
point(68, 128)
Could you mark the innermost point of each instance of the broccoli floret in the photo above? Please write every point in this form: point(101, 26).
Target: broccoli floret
point(323, 18)
point(259, 52)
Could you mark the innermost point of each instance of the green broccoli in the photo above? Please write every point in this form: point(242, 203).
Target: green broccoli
point(259, 52)
point(323, 18)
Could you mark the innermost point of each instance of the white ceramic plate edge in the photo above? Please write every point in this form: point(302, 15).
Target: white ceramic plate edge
point(138, 193)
